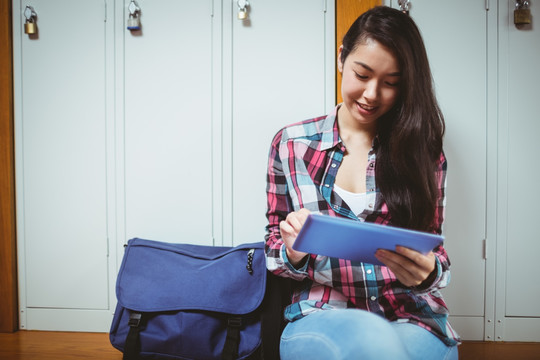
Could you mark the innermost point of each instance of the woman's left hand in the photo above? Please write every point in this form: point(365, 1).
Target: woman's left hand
point(410, 267)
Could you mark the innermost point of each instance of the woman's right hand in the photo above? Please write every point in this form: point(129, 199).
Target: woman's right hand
point(289, 229)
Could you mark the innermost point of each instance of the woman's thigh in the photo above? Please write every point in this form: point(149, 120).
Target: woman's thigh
point(341, 334)
point(357, 334)
point(423, 345)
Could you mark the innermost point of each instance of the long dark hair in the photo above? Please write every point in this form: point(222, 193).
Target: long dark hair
point(410, 135)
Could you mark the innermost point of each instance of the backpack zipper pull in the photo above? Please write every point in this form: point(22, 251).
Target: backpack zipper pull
point(249, 265)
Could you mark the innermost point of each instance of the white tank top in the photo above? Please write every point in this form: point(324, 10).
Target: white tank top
point(356, 201)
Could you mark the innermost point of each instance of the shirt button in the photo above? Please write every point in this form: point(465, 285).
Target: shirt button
point(371, 206)
point(368, 271)
point(336, 207)
point(373, 298)
point(334, 165)
point(326, 185)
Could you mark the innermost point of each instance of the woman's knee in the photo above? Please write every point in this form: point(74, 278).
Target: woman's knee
point(342, 334)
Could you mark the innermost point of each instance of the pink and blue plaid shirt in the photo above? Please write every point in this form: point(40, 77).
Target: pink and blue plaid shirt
point(303, 162)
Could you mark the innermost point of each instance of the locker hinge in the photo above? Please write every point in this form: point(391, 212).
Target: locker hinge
point(324, 5)
point(487, 5)
point(484, 249)
point(105, 18)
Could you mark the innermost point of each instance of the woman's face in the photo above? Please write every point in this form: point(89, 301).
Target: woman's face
point(370, 82)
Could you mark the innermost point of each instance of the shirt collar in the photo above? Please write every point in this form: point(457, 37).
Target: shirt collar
point(329, 131)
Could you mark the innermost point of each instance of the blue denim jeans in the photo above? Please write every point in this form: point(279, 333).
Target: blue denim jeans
point(357, 334)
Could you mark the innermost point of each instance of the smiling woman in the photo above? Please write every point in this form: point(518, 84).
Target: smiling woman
point(376, 135)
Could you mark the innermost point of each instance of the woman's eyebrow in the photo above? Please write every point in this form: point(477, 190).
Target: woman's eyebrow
point(365, 66)
point(368, 68)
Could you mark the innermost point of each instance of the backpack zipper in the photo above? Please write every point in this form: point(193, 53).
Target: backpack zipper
point(249, 265)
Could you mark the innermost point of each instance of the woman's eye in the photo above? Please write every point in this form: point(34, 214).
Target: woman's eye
point(391, 83)
point(361, 77)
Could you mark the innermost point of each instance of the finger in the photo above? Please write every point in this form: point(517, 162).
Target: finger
point(395, 261)
point(405, 270)
point(295, 223)
point(402, 274)
point(296, 220)
point(413, 255)
point(426, 262)
point(286, 228)
point(304, 212)
point(301, 214)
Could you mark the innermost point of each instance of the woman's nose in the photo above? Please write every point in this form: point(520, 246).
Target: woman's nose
point(371, 90)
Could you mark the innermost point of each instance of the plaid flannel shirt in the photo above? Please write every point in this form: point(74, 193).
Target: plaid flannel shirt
point(303, 163)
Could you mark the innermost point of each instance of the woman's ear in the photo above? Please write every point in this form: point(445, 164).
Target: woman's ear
point(339, 63)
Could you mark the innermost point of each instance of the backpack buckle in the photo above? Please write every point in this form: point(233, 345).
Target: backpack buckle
point(234, 322)
point(135, 319)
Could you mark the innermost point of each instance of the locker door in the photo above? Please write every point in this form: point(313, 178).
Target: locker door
point(455, 37)
point(167, 122)
point(61, 136)
point(282, 72)
point(518, 314)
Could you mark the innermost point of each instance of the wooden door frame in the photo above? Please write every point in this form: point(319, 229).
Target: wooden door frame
point(8, 240)
point(346, 12)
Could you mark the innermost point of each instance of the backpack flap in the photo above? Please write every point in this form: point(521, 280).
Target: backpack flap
point(157, 276)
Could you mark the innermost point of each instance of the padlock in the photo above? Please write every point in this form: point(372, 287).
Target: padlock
point(133, 23)
point(522, 16)
point(30, 28)
point(404, 5)
point(242, 9)
point(242, 14)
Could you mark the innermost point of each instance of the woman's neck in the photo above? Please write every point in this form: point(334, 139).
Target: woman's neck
point(354, 133)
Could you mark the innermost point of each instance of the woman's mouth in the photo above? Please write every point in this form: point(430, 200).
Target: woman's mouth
point(366, 109)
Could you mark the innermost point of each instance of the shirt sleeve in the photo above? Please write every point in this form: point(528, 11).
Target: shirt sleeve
point(442, 279)
point(278, 207)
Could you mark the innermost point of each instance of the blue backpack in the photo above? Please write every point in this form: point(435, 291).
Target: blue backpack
point(182, 301)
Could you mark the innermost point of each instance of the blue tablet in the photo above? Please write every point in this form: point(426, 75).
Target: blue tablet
point(358, 241)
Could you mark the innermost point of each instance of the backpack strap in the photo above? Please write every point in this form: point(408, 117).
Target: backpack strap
point(132, 346)
point(232, 341)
